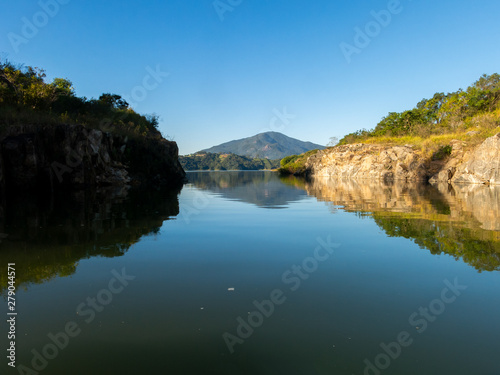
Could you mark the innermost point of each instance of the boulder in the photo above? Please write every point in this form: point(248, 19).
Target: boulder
point(482, 166)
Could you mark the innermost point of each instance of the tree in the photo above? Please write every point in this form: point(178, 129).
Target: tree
point(484, 95)
point(114, 101)
point(63, 86)
point(333, 142)
point(154, 120)
point(488, 82)
point(430, 107)
point(453, 111)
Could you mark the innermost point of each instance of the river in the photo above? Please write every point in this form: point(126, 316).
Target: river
point(250, 273)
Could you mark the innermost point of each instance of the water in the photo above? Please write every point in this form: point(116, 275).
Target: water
point(141, 283)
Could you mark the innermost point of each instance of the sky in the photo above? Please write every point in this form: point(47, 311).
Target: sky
point(214, 71)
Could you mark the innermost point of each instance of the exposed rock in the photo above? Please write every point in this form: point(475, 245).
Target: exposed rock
point(374, 162)
point(154, 161)
point(402, 163)
point(446, 170)
point(482, 166)
point(73, 156)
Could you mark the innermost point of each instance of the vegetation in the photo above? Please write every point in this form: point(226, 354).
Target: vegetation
point(26, 99)
point(295, 164)
point(221, 162)
point(470, 115)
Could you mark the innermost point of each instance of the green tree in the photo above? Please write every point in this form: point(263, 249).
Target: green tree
point(113, 101)
point(63, 86)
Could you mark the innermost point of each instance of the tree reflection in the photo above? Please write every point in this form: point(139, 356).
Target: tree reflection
point(46, 236)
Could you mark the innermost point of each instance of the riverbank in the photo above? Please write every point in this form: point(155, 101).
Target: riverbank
point(389, 163)
point(457, 163)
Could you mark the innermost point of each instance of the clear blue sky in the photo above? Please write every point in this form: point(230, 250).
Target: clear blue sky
point(229, 77)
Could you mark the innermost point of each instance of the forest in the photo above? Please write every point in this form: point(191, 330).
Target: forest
point(222, 162)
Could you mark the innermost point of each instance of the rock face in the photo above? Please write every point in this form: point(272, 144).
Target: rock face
point(482, 166)
point(72, 156)
point(402, 163)
point(374, 162)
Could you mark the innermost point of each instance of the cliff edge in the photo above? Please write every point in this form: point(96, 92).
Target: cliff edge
point(72, 156)
point(395, 163)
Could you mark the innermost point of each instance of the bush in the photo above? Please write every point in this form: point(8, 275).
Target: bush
point(295, 164)
point(442, 153)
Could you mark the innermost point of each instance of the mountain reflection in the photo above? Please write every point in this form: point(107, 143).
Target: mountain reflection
point(47, 236)
point(458, 220)
point(263, 189)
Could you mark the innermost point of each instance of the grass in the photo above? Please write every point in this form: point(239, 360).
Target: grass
point(429, 145)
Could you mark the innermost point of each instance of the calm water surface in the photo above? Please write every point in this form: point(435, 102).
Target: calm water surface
point(247, 273)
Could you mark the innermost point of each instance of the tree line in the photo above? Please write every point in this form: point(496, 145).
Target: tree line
point(26, 98)
point(221, 162)
point(476, 107)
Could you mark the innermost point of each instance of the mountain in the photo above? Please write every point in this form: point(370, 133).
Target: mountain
point(271, 145)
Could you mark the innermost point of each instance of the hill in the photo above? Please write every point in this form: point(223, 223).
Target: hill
point(469, 115)
point(452, 137)
point(50, 138)
point(202, 161)
point(269, 145)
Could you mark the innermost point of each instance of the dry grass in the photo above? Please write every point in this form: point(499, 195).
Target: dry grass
point(431, 144)
point(472, 131)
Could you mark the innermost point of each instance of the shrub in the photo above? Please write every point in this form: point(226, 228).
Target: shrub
point(442, 153)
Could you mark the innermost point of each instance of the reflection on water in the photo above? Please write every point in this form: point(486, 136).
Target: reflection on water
point(196, 279)
point(260, 188)
point(459, 220)
point(46, 236)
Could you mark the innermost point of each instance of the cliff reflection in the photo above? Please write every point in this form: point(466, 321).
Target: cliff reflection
point(47, 236)
point(462, 221)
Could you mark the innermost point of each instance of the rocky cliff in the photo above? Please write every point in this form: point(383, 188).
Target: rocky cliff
point(479, 166)
point(73, 156)
point(395, 163)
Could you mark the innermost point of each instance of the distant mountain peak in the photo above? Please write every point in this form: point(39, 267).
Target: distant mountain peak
point(271, 145)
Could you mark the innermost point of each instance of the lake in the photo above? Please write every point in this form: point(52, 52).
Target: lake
point(250, 273)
